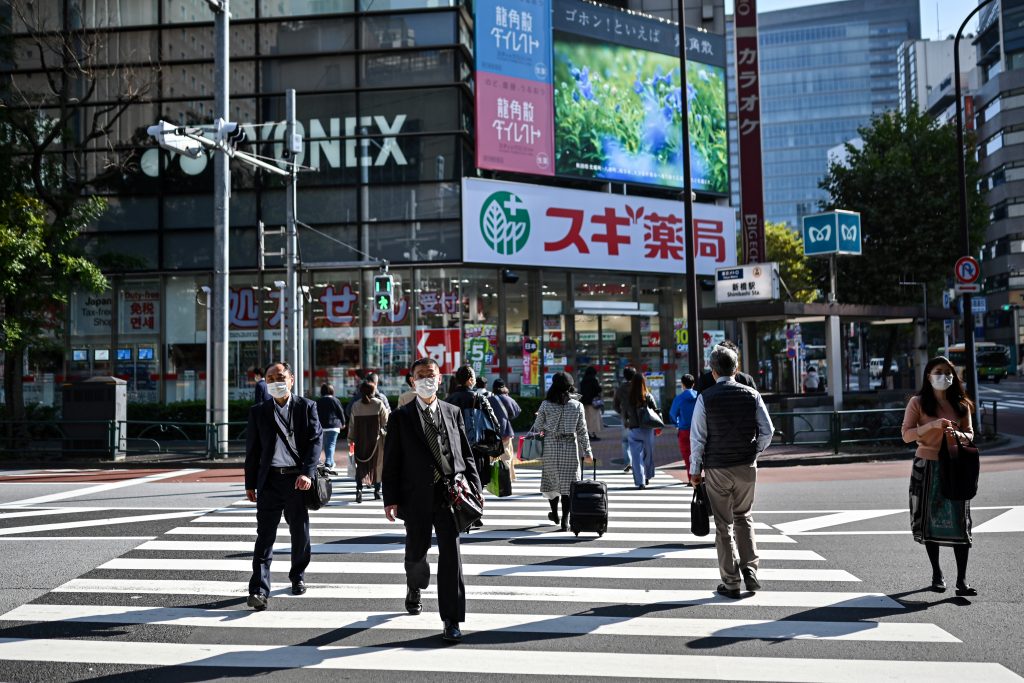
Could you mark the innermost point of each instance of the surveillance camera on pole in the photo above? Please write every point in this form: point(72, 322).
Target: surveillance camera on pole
point(175, 139)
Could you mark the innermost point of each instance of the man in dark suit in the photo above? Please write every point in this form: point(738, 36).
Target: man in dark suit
point(260, 393)
point(281, 452)
point(424, 436)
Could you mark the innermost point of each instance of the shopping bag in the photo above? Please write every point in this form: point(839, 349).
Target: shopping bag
point(350, 467)
point(500, 484)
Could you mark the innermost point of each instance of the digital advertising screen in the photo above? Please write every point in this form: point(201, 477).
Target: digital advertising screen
point(124, 354)
point(578, 90)
point(145, 353)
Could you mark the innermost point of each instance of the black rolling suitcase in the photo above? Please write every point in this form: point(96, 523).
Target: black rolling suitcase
point(588, 505)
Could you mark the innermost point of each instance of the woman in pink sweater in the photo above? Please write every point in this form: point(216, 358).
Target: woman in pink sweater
point(939, 410)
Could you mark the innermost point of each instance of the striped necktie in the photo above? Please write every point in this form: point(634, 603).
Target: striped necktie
point(430, 429)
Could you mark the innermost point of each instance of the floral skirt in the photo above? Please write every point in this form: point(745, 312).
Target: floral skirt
point(934, 518)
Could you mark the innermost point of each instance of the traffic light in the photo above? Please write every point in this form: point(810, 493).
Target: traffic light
point(1009, 307)
point(384, 293)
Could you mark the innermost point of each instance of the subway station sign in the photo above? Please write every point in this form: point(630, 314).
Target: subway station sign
point(752, 282)
point(515, 224)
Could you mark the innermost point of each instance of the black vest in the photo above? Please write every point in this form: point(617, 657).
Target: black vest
point(730, 409)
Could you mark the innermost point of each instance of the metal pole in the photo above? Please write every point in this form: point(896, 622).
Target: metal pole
point(970, 365)
point(221, 258)
point(209, 356)
point(694, 345)
point(290, 350)
point(1015, 338)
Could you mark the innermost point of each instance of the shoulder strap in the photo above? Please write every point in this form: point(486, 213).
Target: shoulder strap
point(284, 437)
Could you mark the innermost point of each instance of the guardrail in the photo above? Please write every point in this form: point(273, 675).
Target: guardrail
point(92, 438)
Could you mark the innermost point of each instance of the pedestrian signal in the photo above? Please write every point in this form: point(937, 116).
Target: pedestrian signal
point(384, 293)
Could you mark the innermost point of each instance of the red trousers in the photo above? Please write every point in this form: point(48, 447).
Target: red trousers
point(684, 447)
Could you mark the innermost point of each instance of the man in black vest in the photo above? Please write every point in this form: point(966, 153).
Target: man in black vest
point(282, 448)
point(730, 428)
point(426, 443)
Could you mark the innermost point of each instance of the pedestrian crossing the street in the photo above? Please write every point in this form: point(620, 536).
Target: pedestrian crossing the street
point(636, 603)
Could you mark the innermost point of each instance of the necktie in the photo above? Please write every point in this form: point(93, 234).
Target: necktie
point(435, 447)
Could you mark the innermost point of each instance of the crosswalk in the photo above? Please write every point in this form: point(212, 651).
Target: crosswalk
point(638, 603)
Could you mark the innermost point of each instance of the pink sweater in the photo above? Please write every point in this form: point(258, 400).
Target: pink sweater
point(928, 443)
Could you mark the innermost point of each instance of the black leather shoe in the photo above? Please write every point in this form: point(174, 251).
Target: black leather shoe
point(413, 604)
point(298, 587)
point(938, 583)
point(627, 468)
point(478, 523)
point(553, 516)
point(733, 593)
point(965, 589)
point(376, 494)
point(451, 633)
point(257, 602)
point(750, 579)
point(359, 495)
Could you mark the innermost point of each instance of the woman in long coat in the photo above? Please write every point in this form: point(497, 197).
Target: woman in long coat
point(560, 419)
point(367, 431)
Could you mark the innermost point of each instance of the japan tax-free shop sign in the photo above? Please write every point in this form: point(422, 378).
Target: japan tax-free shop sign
point(515, 224)
point(577, 90)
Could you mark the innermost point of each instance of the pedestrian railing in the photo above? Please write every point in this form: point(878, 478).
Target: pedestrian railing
point(82, 438)
point(988, 417)
point(832, 429)
point(152, 437)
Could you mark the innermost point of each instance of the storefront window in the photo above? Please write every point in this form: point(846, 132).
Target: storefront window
point(554, 308)
point(138, 337)
point(387, 346)
point(480, 325)
point(185, 377)
point(517, 315)
point(439, 315)
point(335, 316)
point(604, 305)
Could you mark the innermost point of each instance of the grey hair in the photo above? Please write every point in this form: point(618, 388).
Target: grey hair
point(724, 361)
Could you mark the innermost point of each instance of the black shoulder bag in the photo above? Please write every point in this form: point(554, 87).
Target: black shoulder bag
point(319, 494)
point(700, 512)
point(959, 469)
point(467, 504)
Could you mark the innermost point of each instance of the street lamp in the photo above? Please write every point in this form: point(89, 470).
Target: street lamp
point(970, 366)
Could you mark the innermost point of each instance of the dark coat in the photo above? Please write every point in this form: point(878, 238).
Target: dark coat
point(260, 393)
point(261, 438)
point(331, 412)
point(590, 388)
point(408, 476)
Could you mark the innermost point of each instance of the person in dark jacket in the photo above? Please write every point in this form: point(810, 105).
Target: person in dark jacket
point(260, 393)
point(282, 448)
point(332, 420)
point(590, 397)
point(619, 403)
point(706, 381)
point(465, 395)
point(374, 380)
point(730, 427)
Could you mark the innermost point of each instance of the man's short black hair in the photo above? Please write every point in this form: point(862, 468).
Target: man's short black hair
point(688, 381)
point(628, 373)
point(283, 363)
point(258, 371)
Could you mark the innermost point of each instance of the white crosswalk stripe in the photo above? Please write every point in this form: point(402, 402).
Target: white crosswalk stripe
point(179, 600)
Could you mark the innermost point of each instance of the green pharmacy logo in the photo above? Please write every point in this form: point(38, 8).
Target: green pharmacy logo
point(505, 223)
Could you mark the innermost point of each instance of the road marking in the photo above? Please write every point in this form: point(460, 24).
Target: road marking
point(511, 662)
point(377, 517)
point(670, 627)
point(396, 591)
point(493, 506)
point(480, 549)
point(1010, 521)
point(545, 535)
point(45, 513)
point(78, 538)
point(109, 521)
point(835, 519)
point(99, 488)
point(545, 570)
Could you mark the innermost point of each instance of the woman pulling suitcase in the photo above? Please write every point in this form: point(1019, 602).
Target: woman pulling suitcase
point(561, 420)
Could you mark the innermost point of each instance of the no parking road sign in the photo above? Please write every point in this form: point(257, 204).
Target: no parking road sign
point(967, 273)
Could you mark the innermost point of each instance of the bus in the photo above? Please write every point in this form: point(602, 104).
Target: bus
point(993, 360)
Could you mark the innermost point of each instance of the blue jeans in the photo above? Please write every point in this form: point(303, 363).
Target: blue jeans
point(641, 454)
point(625, 445)
point(330, 441)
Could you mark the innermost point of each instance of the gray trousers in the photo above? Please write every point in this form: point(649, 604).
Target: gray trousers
point(731, 494)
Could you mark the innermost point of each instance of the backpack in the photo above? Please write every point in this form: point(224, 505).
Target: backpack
point(483, 428)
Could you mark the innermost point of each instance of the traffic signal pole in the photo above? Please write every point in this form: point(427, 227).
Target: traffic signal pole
point(221, 198)
point(290, 306)
point(695, 346)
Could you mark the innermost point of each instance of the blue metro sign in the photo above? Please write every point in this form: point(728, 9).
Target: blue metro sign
point(833, 232)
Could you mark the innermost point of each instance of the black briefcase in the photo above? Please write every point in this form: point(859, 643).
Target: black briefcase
point(319, 494)
point(700, 512)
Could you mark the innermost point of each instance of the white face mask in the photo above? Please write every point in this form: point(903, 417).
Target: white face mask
point(277, 389)
point(425, 387)
point(941, 382)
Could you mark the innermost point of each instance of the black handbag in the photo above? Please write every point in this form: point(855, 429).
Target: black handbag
point(700, 512)
point(959, 469)
point(319, 494)
point(649, 418)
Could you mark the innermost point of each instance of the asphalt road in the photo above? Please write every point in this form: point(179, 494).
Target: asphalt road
point(1010, 395)
point(141, 576)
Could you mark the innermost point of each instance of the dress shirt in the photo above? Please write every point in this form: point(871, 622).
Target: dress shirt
point(699, 430)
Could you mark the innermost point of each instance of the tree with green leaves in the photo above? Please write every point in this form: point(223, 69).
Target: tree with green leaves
point(785, 247)
point(58, 146)
point(904, 182)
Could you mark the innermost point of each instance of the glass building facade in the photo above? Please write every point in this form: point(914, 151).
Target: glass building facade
point(385, 105)
point(825, 71)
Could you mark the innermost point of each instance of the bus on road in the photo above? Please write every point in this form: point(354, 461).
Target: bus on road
point(993, 360)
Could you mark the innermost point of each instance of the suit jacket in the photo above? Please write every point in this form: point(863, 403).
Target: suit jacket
point(261, 438)
point(260, 393)
point(408, 476)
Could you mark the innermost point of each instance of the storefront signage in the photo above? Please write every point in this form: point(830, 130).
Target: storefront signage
point(753, 282)
point(748, 97)
point(442, 345)
point(323, 144)
point(91, 313)
point(712, 338)
point(514, 224)
point(139, 310)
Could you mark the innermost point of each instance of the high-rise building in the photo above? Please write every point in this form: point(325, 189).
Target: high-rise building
point(999, 106)
point(925, 70)
point(825, 71)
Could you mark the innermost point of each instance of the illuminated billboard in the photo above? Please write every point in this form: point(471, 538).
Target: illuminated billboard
point(611, 89)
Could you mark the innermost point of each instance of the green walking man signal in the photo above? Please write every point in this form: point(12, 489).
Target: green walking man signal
point(384, 293)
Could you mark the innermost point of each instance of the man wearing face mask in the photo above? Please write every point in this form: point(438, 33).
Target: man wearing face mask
point(426, 443)
point(281, 452)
